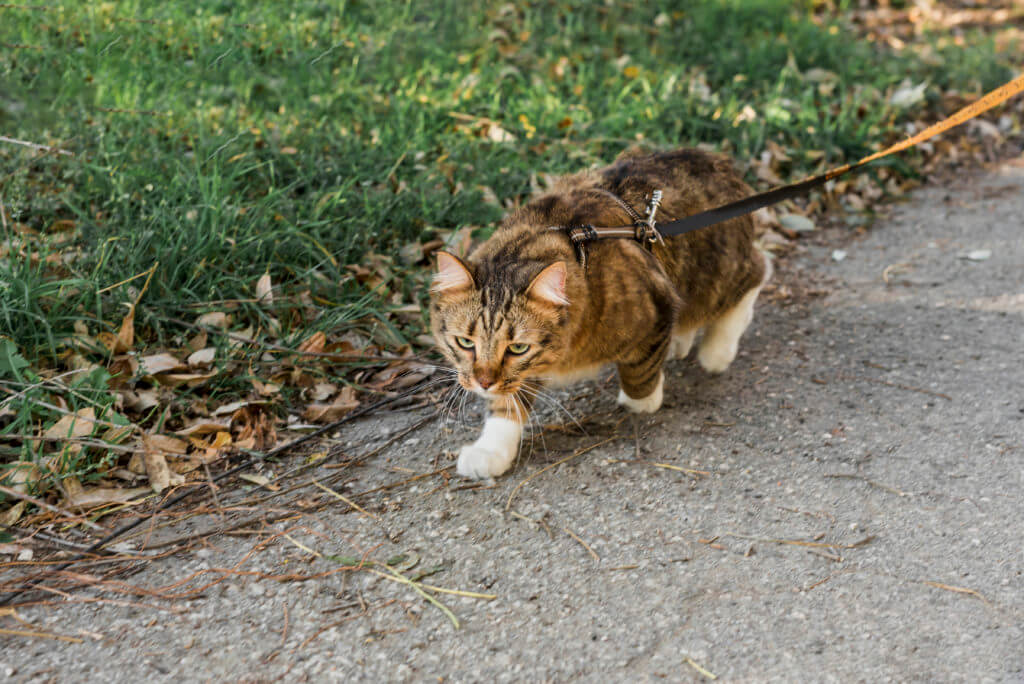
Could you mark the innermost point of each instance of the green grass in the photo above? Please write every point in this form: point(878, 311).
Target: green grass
point(225, 140)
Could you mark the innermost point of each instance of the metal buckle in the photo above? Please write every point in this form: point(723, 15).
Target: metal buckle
point(646, 232)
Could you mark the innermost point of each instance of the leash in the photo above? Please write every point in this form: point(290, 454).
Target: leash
point(647, 232)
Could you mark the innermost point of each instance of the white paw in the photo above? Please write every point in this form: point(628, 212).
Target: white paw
point(649, 404)
point(493, 453)
point(679, 345)
point(478, 463)
point(715, 358)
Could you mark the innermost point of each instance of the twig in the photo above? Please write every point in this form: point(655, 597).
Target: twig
point(35, 146)
point(668, 466)
point(690, 661)
point(795, 542)
point(53, 509)
point(284, 632)
point(399, 577)
point(351, 503)
point(41, 635)
point(958, 590)
point(582, 543)
point(578, 452)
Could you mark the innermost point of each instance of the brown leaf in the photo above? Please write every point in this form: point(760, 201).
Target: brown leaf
point(264, 290)
point(255, 426)
point(198, 342)
point(202, 357)
point(188, 379)
point(214, 319)
point(328, 413)
point(157, 471)
point(78, 425)
point(160, 363)
point(12, 514)
point(203, 427)
point(97, 496)
point(126, 335)
point(314, 344)
point(261, 480)
point(140, 400)
point(165, 444)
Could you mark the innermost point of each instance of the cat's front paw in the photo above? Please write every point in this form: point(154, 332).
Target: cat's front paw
point(492, 454)
point(648, 404)
point(479, 463)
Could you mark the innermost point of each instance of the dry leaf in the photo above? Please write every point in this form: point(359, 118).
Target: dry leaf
point(202, 357)
point(261, 480)
point(264, 290)
point(126, 335)
point(328, 413)
point(214, 319)
point(314, 344)
point(75, 426)
point(189, 379)
point(157, 471)
point(165, 444)
point(140, 401)
point(97, 496)
point(203, 427)
point(198, 342)
point(160, 363)
point(12, 514)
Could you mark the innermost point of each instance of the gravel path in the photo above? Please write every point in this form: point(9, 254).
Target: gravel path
point(859, 520)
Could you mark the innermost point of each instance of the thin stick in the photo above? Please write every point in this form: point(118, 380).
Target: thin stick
point(958, 590)
point(351, 503)
point(36, 146)
point(582, 543)
point(41, 635)
point(53, 509)
point(668, 466)
point(442, 590)
point(416, 587)
point(147, 272)
point(578, 452)
point(794, 542)
point(690, 661)
point(284, 632)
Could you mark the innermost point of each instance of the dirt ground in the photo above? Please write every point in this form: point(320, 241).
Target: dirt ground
point(844, 504)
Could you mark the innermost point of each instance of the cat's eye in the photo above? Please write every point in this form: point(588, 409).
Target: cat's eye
point(464, 342)
point(518, 348)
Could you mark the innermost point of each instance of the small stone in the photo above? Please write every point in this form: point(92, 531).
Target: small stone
point(838, 254)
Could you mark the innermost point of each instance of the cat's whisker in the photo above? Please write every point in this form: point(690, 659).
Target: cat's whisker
point(539, 393)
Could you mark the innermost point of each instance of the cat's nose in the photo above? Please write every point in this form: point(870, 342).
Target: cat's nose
point(486, 378)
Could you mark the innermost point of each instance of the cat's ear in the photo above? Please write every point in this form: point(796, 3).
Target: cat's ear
point(549, 285)
point(452, 275)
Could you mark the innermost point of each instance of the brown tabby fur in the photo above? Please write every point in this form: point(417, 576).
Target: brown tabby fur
point(624, 305)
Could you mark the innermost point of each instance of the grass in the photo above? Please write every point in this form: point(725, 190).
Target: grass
point(220, 141)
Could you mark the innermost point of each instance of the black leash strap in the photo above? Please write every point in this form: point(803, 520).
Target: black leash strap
point(764, 199)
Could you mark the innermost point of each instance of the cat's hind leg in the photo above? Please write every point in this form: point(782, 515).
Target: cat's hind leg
point(682, 341)
point(721, 338)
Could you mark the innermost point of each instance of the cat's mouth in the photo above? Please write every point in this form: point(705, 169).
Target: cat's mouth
point(498, 389)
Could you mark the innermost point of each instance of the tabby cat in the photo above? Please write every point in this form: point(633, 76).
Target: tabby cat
point(528, 309)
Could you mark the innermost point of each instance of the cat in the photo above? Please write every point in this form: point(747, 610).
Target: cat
point(528, 308)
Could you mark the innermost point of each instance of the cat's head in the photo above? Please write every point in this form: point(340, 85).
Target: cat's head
point(499, 327)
